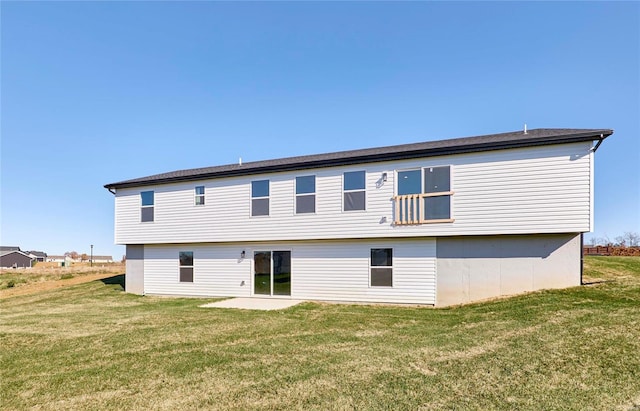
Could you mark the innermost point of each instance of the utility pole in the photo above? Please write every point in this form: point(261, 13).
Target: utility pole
point(91, 258)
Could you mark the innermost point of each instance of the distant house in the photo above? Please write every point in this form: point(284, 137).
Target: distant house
point(438, 222)
point(102, 259)
point(15, 259)
point(38, 255)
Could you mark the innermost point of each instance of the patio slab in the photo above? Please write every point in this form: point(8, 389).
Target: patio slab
point(254, 303)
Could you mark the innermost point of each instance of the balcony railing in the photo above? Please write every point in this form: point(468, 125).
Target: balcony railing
point(410, 209)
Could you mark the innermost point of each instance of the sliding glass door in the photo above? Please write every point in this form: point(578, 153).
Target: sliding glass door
point(272, 272)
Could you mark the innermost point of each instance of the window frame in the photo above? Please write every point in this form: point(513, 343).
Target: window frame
point(180, 267)
point(197, 196)
point(357, 190)
point(425, 195)
point(373, 267)
point(314, 194)
point(267, 197)
point(148, 206)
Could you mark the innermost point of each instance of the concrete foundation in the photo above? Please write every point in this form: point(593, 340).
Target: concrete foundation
point(477, 268)
point(134, 278)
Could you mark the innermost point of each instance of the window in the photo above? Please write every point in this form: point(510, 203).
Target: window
point(381, 267)
point(200, 195)
point(437, 184)
point(146, 209)
point(353, 186)
point(424, 195)
point(305, 194)
point(260, 197)
point(186, 266)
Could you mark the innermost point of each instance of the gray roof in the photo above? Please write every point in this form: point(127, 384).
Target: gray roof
point(38, 253)
point(514, 139)
point(9, 248)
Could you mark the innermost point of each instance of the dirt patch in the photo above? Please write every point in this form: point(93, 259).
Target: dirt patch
point(38, 287)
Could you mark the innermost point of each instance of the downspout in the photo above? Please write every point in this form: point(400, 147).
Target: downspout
point(600, 140)
point(581, 257)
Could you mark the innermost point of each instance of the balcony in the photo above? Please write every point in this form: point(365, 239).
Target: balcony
point(411, 209)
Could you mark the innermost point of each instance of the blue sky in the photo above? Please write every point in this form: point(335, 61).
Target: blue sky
point(98, 92)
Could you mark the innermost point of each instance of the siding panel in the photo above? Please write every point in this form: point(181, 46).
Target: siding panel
point(530, 190)
point(324, 270)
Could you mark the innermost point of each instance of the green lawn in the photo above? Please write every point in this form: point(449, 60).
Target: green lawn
point(93, 347)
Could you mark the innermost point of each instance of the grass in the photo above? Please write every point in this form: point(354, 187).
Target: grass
point(45, 272)
point(92, 346)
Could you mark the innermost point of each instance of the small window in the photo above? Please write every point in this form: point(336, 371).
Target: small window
point(146, 209)
point(260, 197)
point(305, 194)
point(200, 195)
point(381, 267)
point(186, 266)
point(354, 197)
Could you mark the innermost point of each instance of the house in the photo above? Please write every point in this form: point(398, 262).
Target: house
point(437, 223)
point(39, 256)
point(15, 259)
point(57, 258)
point(4, 248)
point(102, 259)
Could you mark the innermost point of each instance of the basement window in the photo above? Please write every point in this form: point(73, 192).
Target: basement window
point(146, 208)
point(186, 266)
point(381, 270)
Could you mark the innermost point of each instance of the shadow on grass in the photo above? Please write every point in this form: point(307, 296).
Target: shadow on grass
point(115, 280)
point(596, 282)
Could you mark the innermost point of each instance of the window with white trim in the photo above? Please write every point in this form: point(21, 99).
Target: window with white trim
point(260, 197)
point(381, 267)
point(146, 206)
point(423, 195)
point(200, 195)
point(305, 194)
point(353, 187)
point(186, 266)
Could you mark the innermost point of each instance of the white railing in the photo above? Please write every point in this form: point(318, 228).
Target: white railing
point(409, 209)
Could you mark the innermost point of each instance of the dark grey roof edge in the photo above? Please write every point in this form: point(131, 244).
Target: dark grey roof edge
point(516, 139)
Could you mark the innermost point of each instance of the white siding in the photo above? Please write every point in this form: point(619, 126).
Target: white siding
point(324, 270)
point(217, 271)
point(518, 191)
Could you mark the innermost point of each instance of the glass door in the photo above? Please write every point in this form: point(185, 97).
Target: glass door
point(272, 273)
point(262, 272)
point(282, 273)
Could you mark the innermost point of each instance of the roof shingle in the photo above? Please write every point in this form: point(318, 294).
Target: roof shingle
point(535, 137)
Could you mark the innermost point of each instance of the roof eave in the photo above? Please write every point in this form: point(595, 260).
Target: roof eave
point(374, 158)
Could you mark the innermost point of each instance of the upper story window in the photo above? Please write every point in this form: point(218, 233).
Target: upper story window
point(305, 194)
point(424, 195)
point(146, 206)
point(353, 186)
point(260, 197)
point(200, 195)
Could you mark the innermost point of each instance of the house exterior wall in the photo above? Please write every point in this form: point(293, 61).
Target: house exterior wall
point(134, 277)
point(321, 270)
point(477, 268)
point(16, 259)
point(544, 189)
